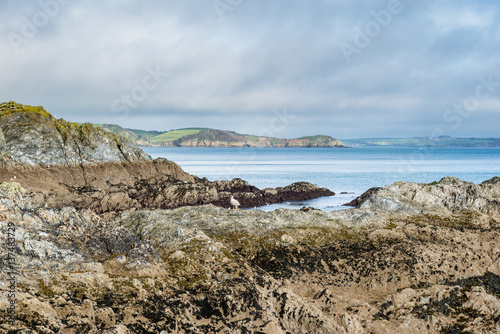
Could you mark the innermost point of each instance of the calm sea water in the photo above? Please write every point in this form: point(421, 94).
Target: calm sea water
point(350, 170)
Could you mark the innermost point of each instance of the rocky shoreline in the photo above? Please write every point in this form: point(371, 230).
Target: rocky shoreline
point(426, 267)
point(113, 187)
point(99, 238)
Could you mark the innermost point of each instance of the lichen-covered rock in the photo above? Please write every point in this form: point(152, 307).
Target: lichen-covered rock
point(30, 135)
point(5, 159)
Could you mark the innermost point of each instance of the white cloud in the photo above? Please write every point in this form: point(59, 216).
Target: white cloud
point(450, 18)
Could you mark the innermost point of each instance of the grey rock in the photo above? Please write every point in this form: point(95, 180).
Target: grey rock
point(381, 269)
point(30, 135)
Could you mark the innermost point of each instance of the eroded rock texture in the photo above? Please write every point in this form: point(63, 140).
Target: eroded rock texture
point(207, 269)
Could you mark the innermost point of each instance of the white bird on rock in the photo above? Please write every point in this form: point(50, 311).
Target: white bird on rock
point(234, 202)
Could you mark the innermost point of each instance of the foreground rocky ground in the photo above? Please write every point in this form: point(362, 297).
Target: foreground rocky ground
point(411, 258)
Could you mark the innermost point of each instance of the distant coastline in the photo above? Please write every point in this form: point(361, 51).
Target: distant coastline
point(442, 141)
point(205, 137)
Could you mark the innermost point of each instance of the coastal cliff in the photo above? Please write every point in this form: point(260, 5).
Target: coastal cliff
point(204, 137)
point(30, 135)
point(221, 138)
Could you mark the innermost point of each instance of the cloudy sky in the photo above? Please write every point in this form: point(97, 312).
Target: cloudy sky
point(285, 68)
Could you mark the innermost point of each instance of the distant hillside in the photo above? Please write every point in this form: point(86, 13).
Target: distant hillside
point(140, 137)
point(175, 134)
point(443, 141)
point(205, 137)
point(223, 138)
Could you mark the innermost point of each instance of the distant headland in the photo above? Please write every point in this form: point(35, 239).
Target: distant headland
point(441, 141)
point(206, 137)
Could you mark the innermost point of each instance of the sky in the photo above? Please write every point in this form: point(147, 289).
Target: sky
point(283, 68)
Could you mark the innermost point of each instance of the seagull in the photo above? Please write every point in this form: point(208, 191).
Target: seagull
point(234, 202)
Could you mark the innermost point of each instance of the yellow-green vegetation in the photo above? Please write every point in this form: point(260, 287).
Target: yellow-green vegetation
point(175, 134)
point(219, 138)
point(78, 291)
point(314, 138)
point(320, 236)
point(249, 244)
point(65, 128)
point(13, 107)
point(140, 136)
point(45, 289)
point(68, 129)
point(84, 131)
point(390, 226)
point(124, 284)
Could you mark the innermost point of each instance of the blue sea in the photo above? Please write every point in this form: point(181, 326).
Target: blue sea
point(349, 170)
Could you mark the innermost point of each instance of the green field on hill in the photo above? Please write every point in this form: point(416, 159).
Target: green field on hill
point(175, 134)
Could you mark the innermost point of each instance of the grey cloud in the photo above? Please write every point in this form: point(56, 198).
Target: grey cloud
point(232, 73)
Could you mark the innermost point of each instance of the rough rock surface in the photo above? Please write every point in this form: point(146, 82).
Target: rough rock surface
point(160, 183)
point(360, 199)
point(30, 135)
point(403, 265)
point(448, 195)
point(411, 258)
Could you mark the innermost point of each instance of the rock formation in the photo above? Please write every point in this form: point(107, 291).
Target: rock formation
point(207, 269)
point(30, 135)
point(114, 187)
point(448, 196)
point(360, 199)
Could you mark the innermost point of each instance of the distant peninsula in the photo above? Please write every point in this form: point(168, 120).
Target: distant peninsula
point(206, 137)
point(441, 141)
